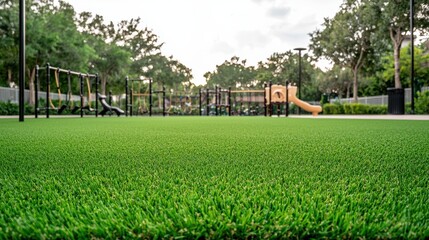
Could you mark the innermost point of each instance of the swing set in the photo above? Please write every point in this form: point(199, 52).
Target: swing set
point(69, 103)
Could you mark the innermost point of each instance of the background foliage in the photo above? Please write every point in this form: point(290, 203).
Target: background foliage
point(362, 41)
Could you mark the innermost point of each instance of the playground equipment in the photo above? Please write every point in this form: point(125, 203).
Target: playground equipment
point(274, 96)
point(107, 107)
point(278, 94)
point(84, 106)
point(130, 94)
point(248, 102)
point(225, 101)
point(61, 107)
point(182, 102)
point(216, 101)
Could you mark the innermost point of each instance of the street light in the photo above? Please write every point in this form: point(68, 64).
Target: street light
point(412, 53)
point(299, 76)
point(21, 58)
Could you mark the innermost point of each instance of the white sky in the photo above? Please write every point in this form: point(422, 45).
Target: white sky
point(204, 33)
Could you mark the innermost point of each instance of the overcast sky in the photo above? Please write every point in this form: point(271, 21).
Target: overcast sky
point(204, 33)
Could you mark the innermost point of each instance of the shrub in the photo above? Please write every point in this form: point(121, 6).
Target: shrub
point(353, 108)
point(9, 108)
point(333, 108)
point(407, 108)
point(347, 108)
point(377, 109)
point(422, 103)
point(360, 109)
point(356, 108)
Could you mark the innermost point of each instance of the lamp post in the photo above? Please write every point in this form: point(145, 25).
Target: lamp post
point(21, 58)
point(412, 54)
point(299, 74)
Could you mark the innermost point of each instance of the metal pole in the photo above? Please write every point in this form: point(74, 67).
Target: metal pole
point(150, 97)
point(48, 82)
point(249, 102)
point(126, 96)
point(207, 101)
point(200, 102)
point(81, 95)
point(270, 109)
point(21, 58)
point(287, 99)
point(216, 100)
point(36, 93)
point(131, 101)
point(412, 55)
point(299, 74)
point(96, 95)
point(229, 101)
point(163, 101)
point(299, 83)
point(265, 99)
point(68, 96)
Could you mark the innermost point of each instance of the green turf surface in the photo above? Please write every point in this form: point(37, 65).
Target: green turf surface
point(213, 178)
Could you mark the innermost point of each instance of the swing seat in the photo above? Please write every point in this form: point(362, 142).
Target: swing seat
point(61, 109)
point(75, 109)
point(88, 108)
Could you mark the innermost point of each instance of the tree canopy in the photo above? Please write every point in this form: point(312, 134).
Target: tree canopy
point(361, 34)
point(83, 42)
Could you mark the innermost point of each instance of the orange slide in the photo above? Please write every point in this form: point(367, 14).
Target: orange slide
point(315, 110)
point(278, 95)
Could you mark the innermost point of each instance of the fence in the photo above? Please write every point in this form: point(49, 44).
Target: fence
point(377, 100)
point(12, 95)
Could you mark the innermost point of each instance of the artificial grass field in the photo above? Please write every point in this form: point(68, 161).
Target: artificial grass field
point(198, 177)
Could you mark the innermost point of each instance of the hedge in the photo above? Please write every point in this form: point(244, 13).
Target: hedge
point(9, 108)
point(353, 109)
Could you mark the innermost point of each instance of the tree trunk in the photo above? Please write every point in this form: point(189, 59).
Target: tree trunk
point(103, 85)
point(397, 38)
point(356, 69)
point(31, 79)
point(397, 57)
point(348, 89)
point(355, 84)
point(9, 77)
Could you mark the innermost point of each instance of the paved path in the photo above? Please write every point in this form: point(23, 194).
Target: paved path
point(379, 117)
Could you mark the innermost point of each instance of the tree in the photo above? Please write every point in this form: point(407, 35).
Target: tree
point(165, 70)
point(233, 73)
point(126, 49)
point(110, 61)
point(421, 71)
point(337, 80)
point(52, 36)
point(280, 67)
point(8, 38)
point(394, 23)
point(345, 39)
point(84, 43)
